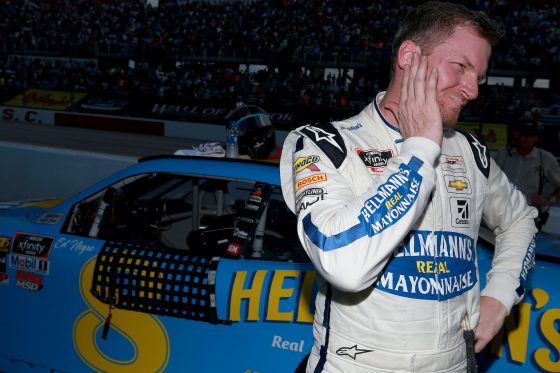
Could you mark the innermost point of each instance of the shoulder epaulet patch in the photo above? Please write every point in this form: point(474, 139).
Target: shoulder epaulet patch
point(480, 152)
point(328, 139)
point(299, 144)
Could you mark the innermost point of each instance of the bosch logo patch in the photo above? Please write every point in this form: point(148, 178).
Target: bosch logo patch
point(317, 178)
point(29, 281)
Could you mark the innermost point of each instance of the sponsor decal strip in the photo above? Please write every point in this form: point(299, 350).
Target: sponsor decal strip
point(398, 182)
point(432, 266)
point(393, 200)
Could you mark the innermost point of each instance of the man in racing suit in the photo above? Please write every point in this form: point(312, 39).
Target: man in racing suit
point(389, 204)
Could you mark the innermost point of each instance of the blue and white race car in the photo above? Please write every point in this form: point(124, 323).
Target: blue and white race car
point(183, 264)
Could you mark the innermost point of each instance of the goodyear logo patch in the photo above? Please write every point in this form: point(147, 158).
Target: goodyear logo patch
point(309, 162)
point(392, 201)
point(317, 178)
point(431, 265)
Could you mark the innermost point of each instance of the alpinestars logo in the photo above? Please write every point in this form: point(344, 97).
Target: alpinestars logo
point(351, 351)
point(460, 212)
point(322, 135)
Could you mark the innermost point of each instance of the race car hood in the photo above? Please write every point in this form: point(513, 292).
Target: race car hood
point(27, 210)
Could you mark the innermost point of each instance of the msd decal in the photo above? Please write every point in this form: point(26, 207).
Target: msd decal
point(29, 281)
point(374, 159)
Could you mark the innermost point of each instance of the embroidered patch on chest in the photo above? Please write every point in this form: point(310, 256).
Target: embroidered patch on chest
point(375, 159)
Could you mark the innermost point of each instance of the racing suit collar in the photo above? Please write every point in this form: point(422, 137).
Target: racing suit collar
point(380, 114)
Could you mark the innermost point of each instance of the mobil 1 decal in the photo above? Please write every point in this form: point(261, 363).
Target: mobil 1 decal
point(375, 159)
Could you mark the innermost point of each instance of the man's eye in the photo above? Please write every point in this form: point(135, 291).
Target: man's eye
point(461, 66)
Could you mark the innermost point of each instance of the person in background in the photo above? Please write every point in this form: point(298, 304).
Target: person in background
point(533, 170)
point(394, 233)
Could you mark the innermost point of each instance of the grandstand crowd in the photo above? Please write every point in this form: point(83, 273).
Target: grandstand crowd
point(201, 50)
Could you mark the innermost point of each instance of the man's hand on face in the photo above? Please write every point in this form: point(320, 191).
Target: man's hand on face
point(419, 113)
point(492, 316)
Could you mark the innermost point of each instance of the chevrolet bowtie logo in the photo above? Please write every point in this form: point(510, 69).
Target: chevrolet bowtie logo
point(458, 185)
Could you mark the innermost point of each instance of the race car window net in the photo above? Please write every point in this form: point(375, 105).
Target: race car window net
point(204, 216)
point(157, 281)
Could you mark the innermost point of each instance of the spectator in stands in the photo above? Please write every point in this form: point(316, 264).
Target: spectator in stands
point(533, 170)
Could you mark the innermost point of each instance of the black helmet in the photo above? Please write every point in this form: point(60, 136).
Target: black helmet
point(255, 132)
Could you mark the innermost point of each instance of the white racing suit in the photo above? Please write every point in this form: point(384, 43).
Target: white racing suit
point(391, 226)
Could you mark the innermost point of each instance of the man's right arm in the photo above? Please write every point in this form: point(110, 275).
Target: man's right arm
point(349, 237)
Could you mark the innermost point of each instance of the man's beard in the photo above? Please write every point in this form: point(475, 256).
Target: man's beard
point(449, 115)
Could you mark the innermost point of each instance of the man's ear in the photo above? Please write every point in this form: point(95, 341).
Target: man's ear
point(406, 50)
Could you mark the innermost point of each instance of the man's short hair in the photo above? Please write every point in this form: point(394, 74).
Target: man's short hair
point(431, 23)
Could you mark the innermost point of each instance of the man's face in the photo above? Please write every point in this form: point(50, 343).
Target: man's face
point(462, 61)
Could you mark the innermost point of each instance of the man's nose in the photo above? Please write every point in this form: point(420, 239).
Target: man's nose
point(470, 87)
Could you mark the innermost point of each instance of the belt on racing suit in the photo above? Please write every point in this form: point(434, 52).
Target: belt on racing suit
point(451, 360)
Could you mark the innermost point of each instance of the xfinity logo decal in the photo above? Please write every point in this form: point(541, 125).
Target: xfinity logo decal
point(374, 159)
point(460, 212)
point(351, 351)
point(32, 245)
